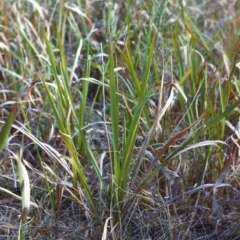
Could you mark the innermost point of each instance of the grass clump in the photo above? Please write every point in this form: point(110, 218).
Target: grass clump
point(119, 120)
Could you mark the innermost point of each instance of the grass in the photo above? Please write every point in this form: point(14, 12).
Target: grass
point(119, 120)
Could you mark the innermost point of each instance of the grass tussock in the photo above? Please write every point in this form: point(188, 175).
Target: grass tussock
point(119, 119)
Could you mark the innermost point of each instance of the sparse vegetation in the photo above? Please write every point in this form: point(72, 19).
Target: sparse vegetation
point(119, 119)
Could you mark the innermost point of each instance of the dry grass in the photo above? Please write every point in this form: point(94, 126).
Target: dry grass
point(127, 119)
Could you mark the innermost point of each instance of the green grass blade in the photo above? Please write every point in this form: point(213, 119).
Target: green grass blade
point(178, 56)
point(6, 128)
point(114, 112)
point(62, 102)
point(145, 77)
point(130, 143)
point(53, 106)
point(129, 63)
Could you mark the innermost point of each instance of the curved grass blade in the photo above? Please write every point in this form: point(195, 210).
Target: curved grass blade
point(5, 130)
